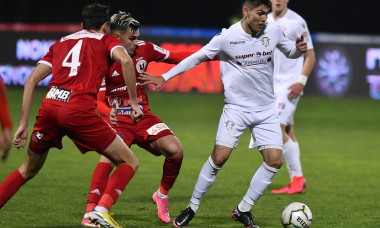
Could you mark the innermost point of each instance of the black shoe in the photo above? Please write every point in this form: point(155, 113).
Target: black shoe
point(184, 218)
point(244, 217)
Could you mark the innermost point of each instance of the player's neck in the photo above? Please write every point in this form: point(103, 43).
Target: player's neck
point(277, 15)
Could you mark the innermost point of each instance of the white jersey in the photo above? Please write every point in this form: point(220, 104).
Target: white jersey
point(287, 71)
point(246, 64)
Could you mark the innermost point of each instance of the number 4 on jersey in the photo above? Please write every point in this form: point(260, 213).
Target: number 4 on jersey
point(74, 64)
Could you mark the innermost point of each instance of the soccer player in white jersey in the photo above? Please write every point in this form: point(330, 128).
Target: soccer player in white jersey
point(245, 51)
point(290, 76)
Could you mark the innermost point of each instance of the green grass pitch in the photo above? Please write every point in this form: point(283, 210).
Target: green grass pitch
point(339, 140)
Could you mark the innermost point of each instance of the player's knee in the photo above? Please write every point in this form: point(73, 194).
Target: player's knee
point(275, 162)
point(174, 150)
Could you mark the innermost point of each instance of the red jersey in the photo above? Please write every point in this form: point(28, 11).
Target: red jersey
point(113, 83)
point(79, 62)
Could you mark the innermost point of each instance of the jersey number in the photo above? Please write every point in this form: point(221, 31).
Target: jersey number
point(74, 64)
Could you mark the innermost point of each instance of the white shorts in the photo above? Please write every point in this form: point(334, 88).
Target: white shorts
point(264, 126)
point(286, 107)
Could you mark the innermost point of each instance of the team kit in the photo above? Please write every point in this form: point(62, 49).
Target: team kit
point(97, 97)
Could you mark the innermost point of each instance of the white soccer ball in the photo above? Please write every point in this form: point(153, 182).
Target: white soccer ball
point(296, 215)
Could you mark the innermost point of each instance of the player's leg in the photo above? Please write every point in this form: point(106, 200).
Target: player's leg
point(231, 127)
point(286, 110)
point(32, 164)
point(171, 148)
point(99, 182)
point(293, 159)
point(205, 180)
point(266, 134)
point(127, 165)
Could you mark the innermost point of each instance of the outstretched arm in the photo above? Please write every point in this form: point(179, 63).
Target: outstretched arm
point(184, 66)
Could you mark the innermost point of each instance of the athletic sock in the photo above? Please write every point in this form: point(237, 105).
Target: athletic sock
point(98, 184)
point(116, 185)
point(292, 158)
point(206, 178)
point(170, 171)
point(298, 167)
point(244, 206)
point(10, 186)
point(259, 183)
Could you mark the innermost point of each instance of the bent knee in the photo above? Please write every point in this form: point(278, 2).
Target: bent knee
point(275, 163)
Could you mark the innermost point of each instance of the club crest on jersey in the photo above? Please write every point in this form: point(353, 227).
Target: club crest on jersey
point(114, 100)
point(141, 65)
point(265, 41)
point(59, 94)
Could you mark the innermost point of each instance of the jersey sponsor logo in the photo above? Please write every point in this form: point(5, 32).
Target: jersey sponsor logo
point(126, 110)
point(115, 73)
point(237, 42)
point(265, 41)
point(159, 49)
point(59, 94)
point(119, 89)
point(157, 128)
point(244, 56)
point(141, 66)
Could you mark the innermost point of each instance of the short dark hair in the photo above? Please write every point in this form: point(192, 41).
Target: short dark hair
point(123, 21)
point(256, 3)
point(94, 15)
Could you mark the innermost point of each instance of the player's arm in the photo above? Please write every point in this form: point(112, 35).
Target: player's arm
point(38, 74)
point(184, 66)
point(297, 88)
point(104, 109)
point(121, 56)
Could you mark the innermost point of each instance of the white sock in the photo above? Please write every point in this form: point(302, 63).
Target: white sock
point(259, 183)
point(291, 155)
point(244, 206)
point(206, 178)
point(193, 207)
point(101, 209)
point(298, 167)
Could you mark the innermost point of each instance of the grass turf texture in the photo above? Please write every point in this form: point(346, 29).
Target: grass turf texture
point(339, 140)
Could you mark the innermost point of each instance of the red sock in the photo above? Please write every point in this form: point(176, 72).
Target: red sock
point(10, 186)
point(116, 185)
point(98, 184)
point(170, 173)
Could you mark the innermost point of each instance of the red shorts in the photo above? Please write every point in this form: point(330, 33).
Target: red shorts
point(148, 129)
point(87, 130)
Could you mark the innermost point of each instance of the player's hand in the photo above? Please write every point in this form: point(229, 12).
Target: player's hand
point(136, 113)
point(295, 90)
point(20, 136)
point(158, 81)
point(113, 114)
point(301, 44)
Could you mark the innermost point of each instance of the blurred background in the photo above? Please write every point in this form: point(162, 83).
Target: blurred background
point(345, 34)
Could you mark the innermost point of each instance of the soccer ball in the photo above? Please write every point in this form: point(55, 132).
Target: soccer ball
point(296, 215)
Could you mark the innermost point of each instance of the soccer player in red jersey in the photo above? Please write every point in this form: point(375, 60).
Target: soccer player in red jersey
point(78, 63)
point(6, 122)
point(150, 132)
